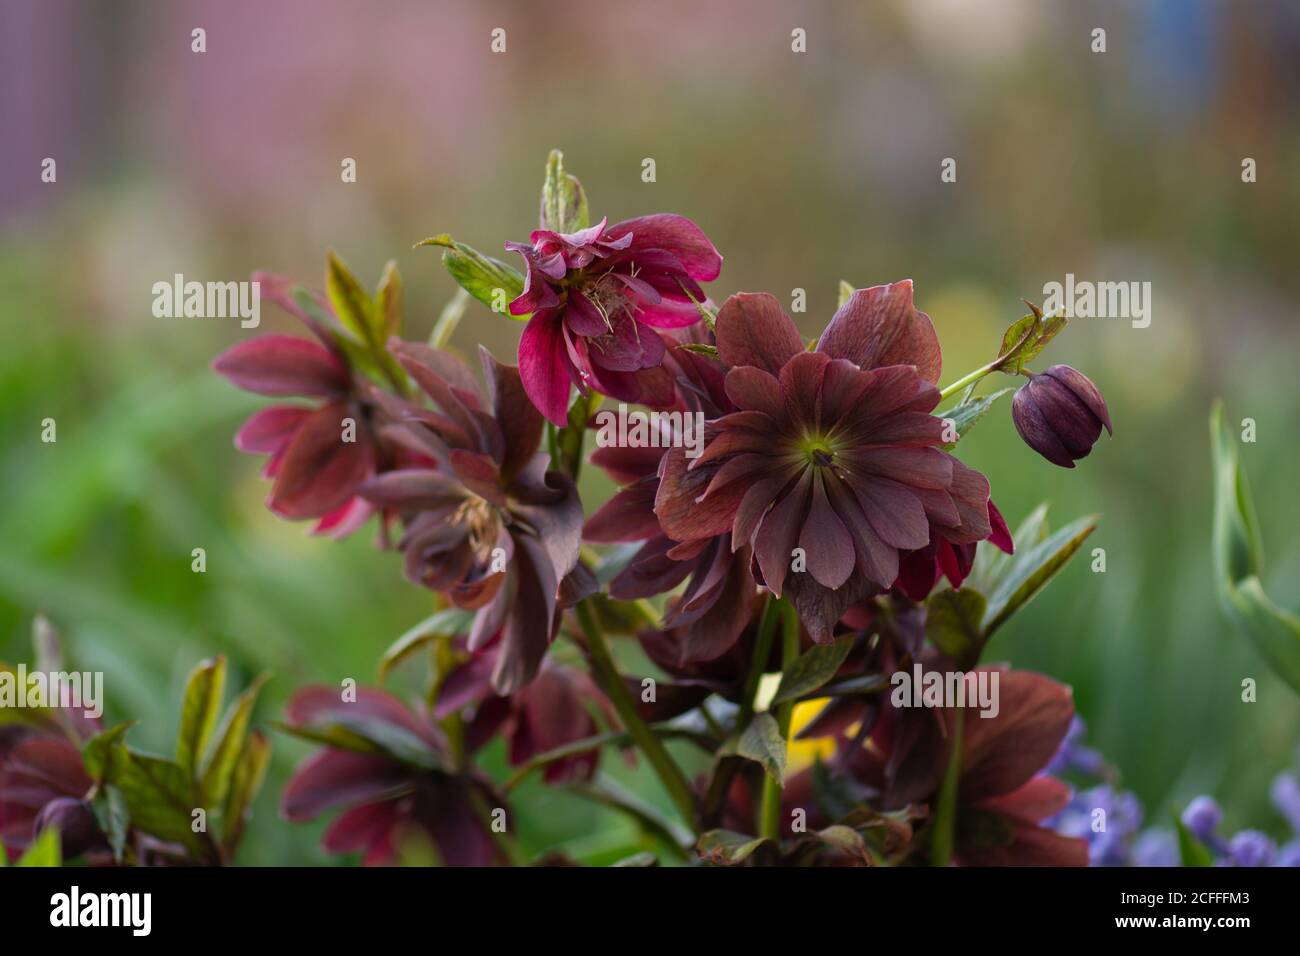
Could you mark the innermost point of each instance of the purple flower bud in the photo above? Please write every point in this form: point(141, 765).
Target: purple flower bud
point(78, 831)
point(1252, 848)
point(1202, 817)
point(1060, 414)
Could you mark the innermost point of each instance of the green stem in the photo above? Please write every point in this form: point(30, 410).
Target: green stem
point(770, 806)
point(757, 663)
point(969, 379)
point(720, 785)
point(943, 835)
point(611, 682)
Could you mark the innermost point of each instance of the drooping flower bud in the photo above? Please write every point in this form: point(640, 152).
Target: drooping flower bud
point(1060, 413)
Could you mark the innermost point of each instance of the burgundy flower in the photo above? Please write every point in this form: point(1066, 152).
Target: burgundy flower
point(832, 451)
point(486, 523)
point(1060, 413)
point(553, 710)
point(43, 781)
point(315, 471)
point(709, 615)
point(397, 785)
point(1002, 792)
point(597, 297)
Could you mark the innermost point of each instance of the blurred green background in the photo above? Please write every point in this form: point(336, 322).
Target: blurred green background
point(803, 169)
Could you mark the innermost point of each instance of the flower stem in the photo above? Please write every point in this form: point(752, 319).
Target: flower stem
point(611, 682)
point(720, 785)
point(770, 805)
point(969, 379)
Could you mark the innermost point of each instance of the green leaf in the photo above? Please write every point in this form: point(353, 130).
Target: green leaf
point(1026, 337)
point(727, 847)
point(846, 293)
point(479, 275)
point(199, 710)
point(220, 765)
point(606, 791)
point(1238, 562)
point(161, 798)
point(1029, 570)
point(389, 300)
point(366, 734)
point(855, 686)
point(846, 840)
point(991, 561)
point(109, 807)
point(811, 670)
point(965, 416)
point(104, 754)
point(45, 851)
point(952, 623)
point(564, 203)
point(762, 742)
point(246, 781)
point(1191, 852)
point(449, 622)
point(353, 305)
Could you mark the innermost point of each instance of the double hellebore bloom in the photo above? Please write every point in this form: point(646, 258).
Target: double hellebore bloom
point(831, 467)
point(389, 769)
point(597, 297)
point(316, 472)
point(1060, 413)
point(486, 523)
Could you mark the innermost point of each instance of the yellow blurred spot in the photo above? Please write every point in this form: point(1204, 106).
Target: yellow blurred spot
point(802, 753)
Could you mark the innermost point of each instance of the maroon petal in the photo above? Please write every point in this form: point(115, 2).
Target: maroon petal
point(333, 778)
point(779, 533)
point(801, 386)
point(683, 516)
point(414, 489)
point(526, 632)
point(675, 234)
point(628, 516)
point(544, 365)
point(877, 560)
point(359, 828)
point(479, 474)
point(754, 389)
point(895, 513)
point(880, 326)
point(320, 471)
point(1000, 754)
point(267, 431)
point(516, 416)
point(826, 541)
point(1084, 390)
point(1001, 534)
point(283, 365)
point(753, 330)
